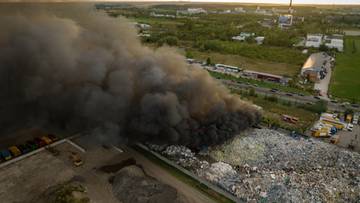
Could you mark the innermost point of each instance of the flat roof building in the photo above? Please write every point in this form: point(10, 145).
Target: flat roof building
point(314, 65)
point(313, 40)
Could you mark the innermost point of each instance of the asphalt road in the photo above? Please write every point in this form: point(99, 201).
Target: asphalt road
point(286, 96)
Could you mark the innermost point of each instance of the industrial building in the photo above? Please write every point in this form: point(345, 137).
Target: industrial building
point(335, 42)
point(227, 68)
point(331, 42)
point(315, 67)
point(314, 40)
point(265, 76)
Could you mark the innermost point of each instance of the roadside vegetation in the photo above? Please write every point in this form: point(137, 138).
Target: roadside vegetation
point(260, 83)
point(274, 108)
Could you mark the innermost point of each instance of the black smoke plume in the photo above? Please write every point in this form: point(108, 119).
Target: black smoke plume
point(94, 73)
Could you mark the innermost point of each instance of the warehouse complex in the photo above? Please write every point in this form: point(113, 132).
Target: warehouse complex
point(316, 66)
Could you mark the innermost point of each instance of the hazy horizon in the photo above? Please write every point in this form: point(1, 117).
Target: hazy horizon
point(285, 2)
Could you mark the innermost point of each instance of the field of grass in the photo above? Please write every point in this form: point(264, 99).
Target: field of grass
point(346, 77)
point(283, 69)
point(273, 110)
point(260, 83)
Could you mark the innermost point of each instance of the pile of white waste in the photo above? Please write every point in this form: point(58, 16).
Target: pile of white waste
point(222, 174)
point(182, 155)
point(267, 166)
point(276, 167)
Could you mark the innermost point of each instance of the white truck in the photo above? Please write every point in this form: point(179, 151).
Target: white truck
point(356, 118)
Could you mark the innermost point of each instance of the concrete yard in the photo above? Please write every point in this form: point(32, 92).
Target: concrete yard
point(28, 179)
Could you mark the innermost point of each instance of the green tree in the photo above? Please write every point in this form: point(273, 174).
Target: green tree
point(208, 61)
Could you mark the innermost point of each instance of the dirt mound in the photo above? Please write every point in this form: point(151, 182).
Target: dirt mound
point(132, 185)
point(65, 192)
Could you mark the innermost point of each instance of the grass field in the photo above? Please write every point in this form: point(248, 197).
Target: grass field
point(283, 69)
point(346, 78)
point(259, 83)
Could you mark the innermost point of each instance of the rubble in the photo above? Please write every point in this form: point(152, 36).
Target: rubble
point(292, 170)
point(268, 166)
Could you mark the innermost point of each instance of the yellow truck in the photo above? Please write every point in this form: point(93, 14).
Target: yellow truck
point(348, 118)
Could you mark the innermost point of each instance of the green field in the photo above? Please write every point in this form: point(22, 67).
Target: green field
point(346, 78)
point(283, 69)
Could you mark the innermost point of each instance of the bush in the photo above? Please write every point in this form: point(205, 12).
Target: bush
point(169, 40)
point(319, 107)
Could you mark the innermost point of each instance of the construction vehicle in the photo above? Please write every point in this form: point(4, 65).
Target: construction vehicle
point(348, 118)
point(322, 132)
point(75, 158)
point(338, 124)
point(14, 151)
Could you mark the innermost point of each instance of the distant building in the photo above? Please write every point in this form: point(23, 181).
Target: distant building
point(265, 76)
point(259, 40)
point(159, 15)
point(332, 42)
point(227, 68)
point(285, 21)
point(335, 42)
point(242, 36)
point(240, 10)
point(314, 68)
point(192, 11)
point(314, 40)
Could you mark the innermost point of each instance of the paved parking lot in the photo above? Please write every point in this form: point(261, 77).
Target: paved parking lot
point(27, 179)
point(347, 138)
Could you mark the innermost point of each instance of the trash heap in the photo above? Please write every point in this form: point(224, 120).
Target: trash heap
point(182, 155)
point(268, 166)
point(222, 174)
point(276, 167)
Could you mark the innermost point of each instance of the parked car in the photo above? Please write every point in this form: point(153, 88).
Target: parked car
point(52, 137)
point(316, 97)
point(5, 154)
point(289, 94)
point(14, 151)
point(46, 139)
point(32, 144)
point(40, 142)
point(349, 127)
point(24, 148)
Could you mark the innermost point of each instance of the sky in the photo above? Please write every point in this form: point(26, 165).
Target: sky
point(269, 1)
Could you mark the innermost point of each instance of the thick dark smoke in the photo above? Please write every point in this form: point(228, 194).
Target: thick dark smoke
point(94, 73)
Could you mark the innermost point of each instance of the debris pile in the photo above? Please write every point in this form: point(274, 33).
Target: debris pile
point(182, 155)
point(221, 174)
point(275, 167)
point(131, 184)
point(266, 165)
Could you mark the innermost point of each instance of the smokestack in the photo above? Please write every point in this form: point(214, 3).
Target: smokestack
point(92, 72)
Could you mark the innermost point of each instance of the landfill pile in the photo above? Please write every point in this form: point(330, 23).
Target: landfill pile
point(271, 166)
point(132, 185)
